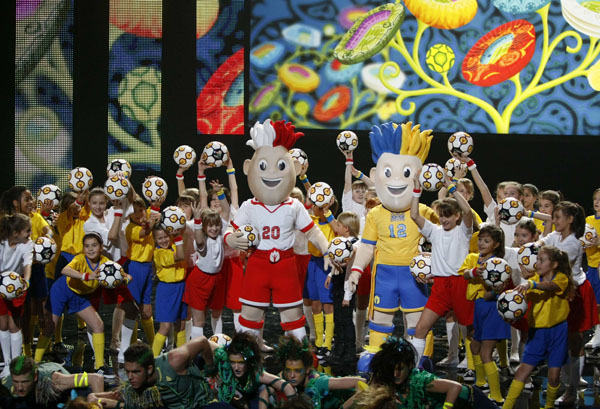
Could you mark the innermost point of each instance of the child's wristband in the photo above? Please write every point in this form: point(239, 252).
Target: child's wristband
point(197, 224)
point(416, 193)
point(221, 195)
point(531, 214)
point(230, 171)
point(85, 277)
point(329, 216)
point(118, 214)
point(154, 209)
point(330, 275)
point(178, 241)
point(45, 214)
point(360, 175)
point(178, 176)
point(349, 161)
point(474, 272)
point(448, 405)
point(79, 203)
point(451, 188)
point(304, 179)
point(201, 178)
point(532, 284)
point(471, 164)
point(358, 270)
point(348, 295)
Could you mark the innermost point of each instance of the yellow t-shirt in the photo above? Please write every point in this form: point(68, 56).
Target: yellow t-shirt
point(548, 308)
point(395, 235)
point(80, 263)
point(38, 223)
point(593, 253)
point(140, 249)
point(71, 231)
point(473, 243)
point(167, 269)
point(327, 231)
point(475, 288)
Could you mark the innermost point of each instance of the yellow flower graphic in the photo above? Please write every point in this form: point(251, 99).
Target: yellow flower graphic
point(443, 14)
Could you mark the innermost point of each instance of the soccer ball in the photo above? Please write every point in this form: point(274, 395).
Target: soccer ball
point(251, 234)
point(431, 177)
point(300, 156)
point(80, 179)
point(347, 141)
point(221, 339)
point(320, 194)
point(118, 165)
point(496, 272)
point(154, 188)
point(116, 187)
point(49, 195)
point(589, 236)
point(12, 285)
point(110, 274)
point(184, 156)
point(215, 154)
point(340, 250)
point(454, 166)
point(511, 305)
point(44, 248)
point(511, 210)
point(173, 218)
point(460, 142)
point(420, 266)
point(424, 245)
point(440, 58)
point(527, 256)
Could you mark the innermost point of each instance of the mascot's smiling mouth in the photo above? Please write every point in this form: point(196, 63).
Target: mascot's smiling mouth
point(271, 182)
point(396, 190)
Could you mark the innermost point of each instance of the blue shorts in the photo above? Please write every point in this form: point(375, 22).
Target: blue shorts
point(62, 296)
point(550, 343)
point(38, 286)
point(395, 288)
point(169, 302)
point(141, 285)
point(487, 323)
point(594, 279)
point(314, 286)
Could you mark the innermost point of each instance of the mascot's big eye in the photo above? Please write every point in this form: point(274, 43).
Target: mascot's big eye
point(281, 164)
point(407, 172)
point(262, 165)
point(387, 172)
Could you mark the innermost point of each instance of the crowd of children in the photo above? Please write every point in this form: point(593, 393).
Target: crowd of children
point(177, 278)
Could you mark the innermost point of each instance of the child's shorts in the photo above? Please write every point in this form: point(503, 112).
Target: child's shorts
point(141, 285)
point(203, 290)
point(14, 307)
point(314, 288)
point(594, 279)
point(364, 284)
point(62, 297)
point(583, 313)
point(169, 305)
point(487, 323)
point(395, 288)
point(547, 343)
point(450, 294)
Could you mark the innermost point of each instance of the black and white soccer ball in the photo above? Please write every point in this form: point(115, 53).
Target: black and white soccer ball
point(454, 167)
point(215, 154)
point(119, 165)
point(184, 156)
point(221, 339)
point(589, 237)
point(424, 245)
point(299, 156)
point(320, 194)
point(251, 234)
point(116, 187)
point(80, 179)
point(44, 249)
point(511, 305)
point(154, 188)
point(527, 256)
point(347, 141)
point(431, 177)
point(460, 142)
point(495, 273)
point(12, 285)
point(49, 195)
point(420, 266)
point(511, 210)
point(110, 274)
point(173, 218)
point(340, 250)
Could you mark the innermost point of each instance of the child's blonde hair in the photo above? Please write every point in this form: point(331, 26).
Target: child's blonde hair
point(192, 191)
point(351, 221)
point(468, 184)
point(297, 194)
point(359, 184)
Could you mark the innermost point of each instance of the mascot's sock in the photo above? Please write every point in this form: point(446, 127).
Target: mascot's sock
point(377, 336)
point(98, 343)
point(329, 325)
point(516, 387)
point(319, 329)
point(157, 345)
point(148, 326)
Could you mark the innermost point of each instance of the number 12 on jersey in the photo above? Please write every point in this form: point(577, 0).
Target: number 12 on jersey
point(397, 231)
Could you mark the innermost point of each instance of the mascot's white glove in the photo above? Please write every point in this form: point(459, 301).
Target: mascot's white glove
point(236, 240)
point(354, 278)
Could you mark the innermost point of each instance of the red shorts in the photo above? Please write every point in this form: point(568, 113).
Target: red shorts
point(265, 279)
point(233, 271)
point(302, 262)
point(13, 307)
point(204, 290)
point(450, 293)
point(583, 314)
point(117, 295)
point(364, 284)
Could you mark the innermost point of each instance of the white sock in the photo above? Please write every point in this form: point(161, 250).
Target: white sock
point(90, 338)
point(217, 324)
point(596, 337)
point(361, 317)
point(5, 344)
point(581, 365)
point(463, 333)
point(452, 331)
point(171, 338)
point(419, 345)
point(299, 333)
point(515, 340)
point(309, 319)
point(16, 343)
point(236, 321)
point(126, 333)
point(197, 331)
point(574, 373)
point(188, 329)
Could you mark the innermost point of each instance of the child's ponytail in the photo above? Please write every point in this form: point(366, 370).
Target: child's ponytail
point(563, 266)
point(576, 211)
